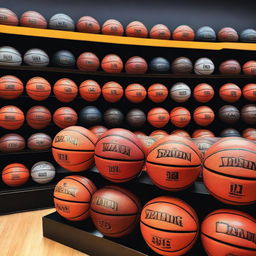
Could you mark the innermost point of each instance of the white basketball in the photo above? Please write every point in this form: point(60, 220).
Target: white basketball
point(204, 66)
point(9, 56)
point(43, 172)
point(180, 92)
point(61, 21)
point(36, 57)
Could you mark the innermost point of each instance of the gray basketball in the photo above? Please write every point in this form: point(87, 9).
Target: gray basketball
point(230, 132)
point(63, 58)
point(180, 92)
point(9, 56)
point(206, 34)
point(182, 65)
point(43, 172)
point(229, 114)
point(36, 57)
point(204, 66)
point(248, 36)
point(61, 21)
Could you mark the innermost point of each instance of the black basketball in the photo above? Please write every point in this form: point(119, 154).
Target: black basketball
point(206, 34)
point(248, 114)
point(248, 36)
point(113, 117)
point(229, 114)
point(159, 65)
point(89, 116)
point(136, 118)
point(63, 58)
point(230, 132)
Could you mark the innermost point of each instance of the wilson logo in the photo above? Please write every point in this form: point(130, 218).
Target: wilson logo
point(174, 153)
point(66, 138)
point(113, 147)
point(238, 162)
point(65, 189)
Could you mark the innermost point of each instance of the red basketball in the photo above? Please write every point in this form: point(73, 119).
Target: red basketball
point(157, 92)
point(158, 117)
point(202, 133)
point(112, 91)
point(88, 61)
point(230, 67)
point(65, 90)
point(249, 68)
point(88, 24)
point(98, 130)
point(136, 65)
point(250, 134)
point(203, 115)
point(228, 35)
point(203, 92)
point(112, 63)
point(119, 155)
point(15, 175)
point(38, 117)
point(136, 29)
point(160, 31)
point(12, 142)
point(33, 19)
point(38, 88)
point(89, 90)
point(8, 17)
point(180, 117)
point(11, 87)
point(183, 33)
point(64, 117)
point(39, 141)
point(158, 134)
point(230, 92)
point(139, 133)
point(249, 92)
point(11, 117)
point(180, 133)
point(112, 27)
point(135, 93)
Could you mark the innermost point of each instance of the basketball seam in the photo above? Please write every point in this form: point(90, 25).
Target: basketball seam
point(72, 201)
point(121, 160)
point(174, 165)
point(124, 179)
point(109, 214)
point(81, 134)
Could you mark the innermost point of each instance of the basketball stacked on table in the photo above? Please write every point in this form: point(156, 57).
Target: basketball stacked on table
point(88, 61)
point(64, 117)
point(158, 117)
point(38, 117)
point(89, 90)
point(38, 88)
point(112, 63)
point(112, 91)
point(11, 117)
point(65, 90)
point(11, 87)
point(135, 93)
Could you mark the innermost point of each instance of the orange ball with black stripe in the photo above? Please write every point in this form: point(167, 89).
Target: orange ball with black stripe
point(98, 130)
point(112, 91)
point(73, 148)
point(158, 117)
point(180, 117)
point(136, 29)
point(112, 63)
point(38, 88)
point(202, 133)
point(64, 117)
point(229, 232)
point(249, 92)
point(119, 155)
point(181, 133)
point(169, 226)
point(230, 163)
point(249, 133)
point(203, 92)
point(72, 197)
point(157, 92)
point(135, 93)
point(11, 87)
point(65, 90)
point(89, 90)
point(230, 92)
point(174, 163)
point(203, 115)
point(38, 117)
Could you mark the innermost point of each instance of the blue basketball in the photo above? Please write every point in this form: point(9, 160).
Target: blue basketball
point(159, 65)
point(89, 116)
point(206, 34)
point(248, 36)
point(63, 58)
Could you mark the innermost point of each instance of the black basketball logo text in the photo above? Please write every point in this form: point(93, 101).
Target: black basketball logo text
point(237, 162)
point(62, 207)
point(66, 189)
point(7, 117)
point(10, 86)
point(104, 224)
point(66, 138)
point(164, 243)
point(3, 17)
point(113, 169)
point(12, 145)
point(39, 87)
point(36, 58)
point(174, 153)
point(118, 148)
point(15, 176)
point(106, 203)
point(236, 190)
point(7, 57)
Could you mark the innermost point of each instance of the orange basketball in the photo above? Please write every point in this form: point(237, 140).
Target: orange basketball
point(112, 27)
point(73, 148)
point(203, 115)
point(157, 92)
point(250, 134)
point(183, 33)
point(135, 93)
point(160, 31)
point(174, 164)
point(115, 211)
point(136, 65)
point(33, 19)
point(112, 63)
point(89, 90)
point(180, 133)
point(38, 117)
point(65, 90)
point(230, 92)
point(139, 133)
point(38, 88)
point(169, 226)
point(230, 163)
point(136, 29)
point(158, 117)
point(230, 232)
point(180, 117)
point(203, 92)
point(11, 117)
point(15, 175)
point(119, 155)
point(98, 130)
point(72, 197)
point(249, 92)
point(65, 117)
point(88, 24)
point(202, 133)
point(158, 133)
point(88, 61)
point(112, 91)
point(11, 87)
point(249, 68)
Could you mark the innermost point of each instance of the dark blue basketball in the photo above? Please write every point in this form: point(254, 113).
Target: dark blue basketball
point(248, 36)
point(63, 58)
point(90, 116)
point(206, 34)
point(159, 65)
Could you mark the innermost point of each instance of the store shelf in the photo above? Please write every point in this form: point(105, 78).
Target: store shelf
point(99, 38)
point(24, 152)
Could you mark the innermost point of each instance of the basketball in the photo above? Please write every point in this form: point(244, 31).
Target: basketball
point(38, 117)
point(38, 88)
point(157, 92)
point(119, 155)
point(183, 33)
point(136, 118)
point(230, 92)
point(139, 133)
point(112, 63)
point(39, 141)
point(230, 132)
point(249, 68)
point(33, 19)
point(36, 57)
point(180, 133)
point(136, 29)
point(113, 117)
point(90, 90)
point(11, 87)
point(180, 92)
point(203, 133)
point(65, 90)
point(147, 143)
point(204, 66)
point(230, 231)
point(249, 134)
point(230, 67)
point(12, 142)
point(160, 31)
point(88, 24)
point(89, 116)
point(249, 92)
point(228, 35)
point(15, 175)
point(61, 21)
point(88, 61)
point(115, 211)
point(158, 117)
point(203, 145)
point(229, 114)
point(11, 117)
point(248, 114)
point(182, 65)
point(159, 65)
point(206, 34)
point(112, 91)
point(203, 93)
point(42, 172)
point(98, 130)
point(136, 65)
point(180, 117)
point(135, 93)
point(248, 36)
point(203, 115)
point(231, 162)
point(9, 56)
point(64, 117)
point(73, 148)
point(169, 226)
point(158, 134)
point(112, 27)
point(72, 197)
point(63, 58)
point(8, 17)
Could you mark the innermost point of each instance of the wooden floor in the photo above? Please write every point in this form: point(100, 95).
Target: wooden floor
point(21, 235)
